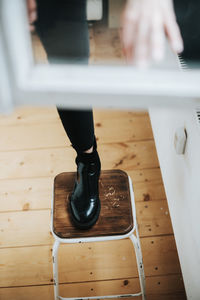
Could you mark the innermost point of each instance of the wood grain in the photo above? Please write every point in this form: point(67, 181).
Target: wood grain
point(149, 191)
point(111, 127)
point(158, 288)
point(36, 193)
point(145, 175)
point(26, 228)
point(51, 161)
point(117, 127)
point(33, 136)
point(106, 46)
point(87, 261)
point(28, 115)
point(26, 194)
point(38, 50)
point(116, 210)
point(153, 218)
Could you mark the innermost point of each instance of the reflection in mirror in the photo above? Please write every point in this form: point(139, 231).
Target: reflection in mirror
point(188, 18)
point(82, 31)
point(77, 32)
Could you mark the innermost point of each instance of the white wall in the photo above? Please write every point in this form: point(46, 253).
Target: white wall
point(181, 175)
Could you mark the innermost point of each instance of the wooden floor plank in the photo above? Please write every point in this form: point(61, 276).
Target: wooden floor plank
point(38, 50)
point(36, 163)
point(153, 218)
point(26, 194)
point(85, 262)
point(25, 266)
point(158, 288)
point(110, 127)
point(25, 228)
point(33, 137)
point(145, 175)
point(37, 114)
point(119, 127)
point(128, 156)
point(36, 193)
point(174, 296)
point(107, 46)
point(162, 251)
point(149, 191)
point(28, 115)
point(49, 162)
point(157, 285)
point(32, 227)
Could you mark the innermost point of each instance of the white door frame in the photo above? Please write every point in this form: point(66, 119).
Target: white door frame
point(23, 82)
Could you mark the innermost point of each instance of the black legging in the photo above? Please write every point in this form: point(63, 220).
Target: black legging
point(63, 30)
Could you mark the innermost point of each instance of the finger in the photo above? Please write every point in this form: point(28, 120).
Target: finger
point(173, 34)
point(32, 10)
point(157, 38)
point(142, 43)
point(121, 40)
point(32, 16)
point(31, 28)
point(31, 5)
point(128, 35)
point(129, 27)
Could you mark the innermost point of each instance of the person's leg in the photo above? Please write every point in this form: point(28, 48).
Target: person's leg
point(63, 30)
point(79, 127)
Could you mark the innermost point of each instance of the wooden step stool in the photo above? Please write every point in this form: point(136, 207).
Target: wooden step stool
point(117, 220)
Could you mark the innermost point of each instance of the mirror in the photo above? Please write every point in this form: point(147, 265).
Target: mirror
point(78, 31)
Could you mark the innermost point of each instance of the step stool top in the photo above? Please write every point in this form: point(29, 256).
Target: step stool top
point(116, 210)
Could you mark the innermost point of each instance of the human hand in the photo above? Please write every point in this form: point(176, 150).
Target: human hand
point(144, 26)
point(32, 13)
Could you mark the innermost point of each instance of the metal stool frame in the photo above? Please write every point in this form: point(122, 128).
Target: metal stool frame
point(134, 237)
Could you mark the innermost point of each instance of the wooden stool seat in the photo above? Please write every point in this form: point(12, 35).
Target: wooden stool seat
point(116, 211)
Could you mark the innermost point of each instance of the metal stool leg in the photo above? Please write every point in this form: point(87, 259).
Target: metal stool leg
point(55, 269)
point(138, 253)
point(141, 259)
point(134, 239)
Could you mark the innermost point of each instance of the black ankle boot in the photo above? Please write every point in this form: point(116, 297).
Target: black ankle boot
point(84, 201)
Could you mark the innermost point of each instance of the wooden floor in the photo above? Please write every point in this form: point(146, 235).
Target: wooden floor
point(33, 150)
